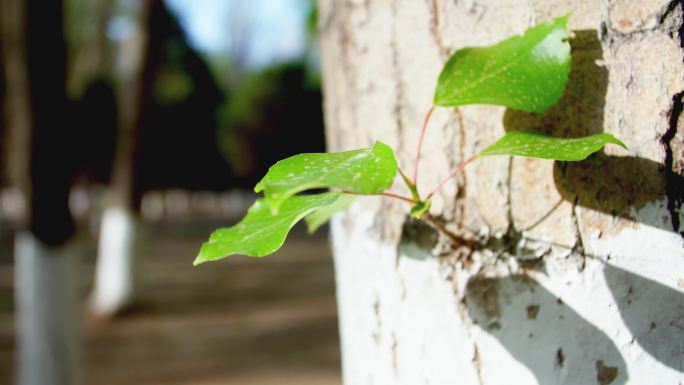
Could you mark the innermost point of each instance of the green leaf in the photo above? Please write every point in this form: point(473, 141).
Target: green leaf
point(537, 145)
point(260, 232)
point(527, 72)
point(319, 217)
point(364, 171)
point(420, 208)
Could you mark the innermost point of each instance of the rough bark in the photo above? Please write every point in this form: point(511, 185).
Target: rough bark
point(576, 276)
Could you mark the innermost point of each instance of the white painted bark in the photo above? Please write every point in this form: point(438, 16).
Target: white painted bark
point(579, 278)
point(115, 278)
point(47, 313)
point(115, 272)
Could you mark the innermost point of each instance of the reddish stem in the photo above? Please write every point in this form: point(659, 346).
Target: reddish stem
point(420, 143)
point(456, 171)
point(386, 193)
point(393, 195)
point(455, 238)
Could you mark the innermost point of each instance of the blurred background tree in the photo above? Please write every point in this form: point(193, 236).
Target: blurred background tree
point(172, 107)
point(231, 77)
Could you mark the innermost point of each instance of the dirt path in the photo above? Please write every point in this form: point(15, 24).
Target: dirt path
point(241, 321)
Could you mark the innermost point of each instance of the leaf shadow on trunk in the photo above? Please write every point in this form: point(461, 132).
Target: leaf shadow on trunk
point(614, 185)
point(652, 312)
point(552, 340)
point(622, 186)
point(619, 186)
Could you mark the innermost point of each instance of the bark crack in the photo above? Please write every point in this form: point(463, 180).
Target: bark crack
point(325, 21)
point(511, 239)
point(673, 184)
point(433, 10)
point(395, 352)
point(398, 84)
point(462, 181)
point(669, 11)
point(663, 16)
point(509, 196)
point(478, 364)
point(376, 334)
point(578, 248)
point(672, 178)
point(349, 70)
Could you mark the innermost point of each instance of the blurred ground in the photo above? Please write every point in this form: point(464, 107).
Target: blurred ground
point(242, 321)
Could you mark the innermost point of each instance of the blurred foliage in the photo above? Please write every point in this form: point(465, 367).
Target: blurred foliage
point(275, 113)
point(312, 20)
point(172, 86)
point(178, 136)
point(91, 52)
point(201, 118)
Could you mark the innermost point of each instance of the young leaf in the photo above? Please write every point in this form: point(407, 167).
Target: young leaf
point(536, 145)
point(420, 208)
point(364, 171)
point(319, 217)
point(527, 72)
point(260, 232)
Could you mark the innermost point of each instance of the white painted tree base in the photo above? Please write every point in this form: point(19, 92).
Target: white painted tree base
point(47, 313)
point(115, 274)
point(408, 318)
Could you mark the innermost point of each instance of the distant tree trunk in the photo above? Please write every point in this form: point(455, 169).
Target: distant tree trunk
point(577, 275)
point(39, 162)
point(115, 278)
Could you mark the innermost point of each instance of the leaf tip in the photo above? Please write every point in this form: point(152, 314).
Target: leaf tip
point(563, 20)
point(198, 260)
point(379, 146)
point(610, 138)
point(619, 143)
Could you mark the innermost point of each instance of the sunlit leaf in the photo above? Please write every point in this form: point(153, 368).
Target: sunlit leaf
point(536, 145)
point(261, 232)
point(527, 72)
point(322, 215)
point(364, 171)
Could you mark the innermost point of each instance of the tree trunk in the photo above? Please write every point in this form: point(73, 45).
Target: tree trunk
point(34, 55)
point(577, 275)
point(46, 293)
point(115, 275)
